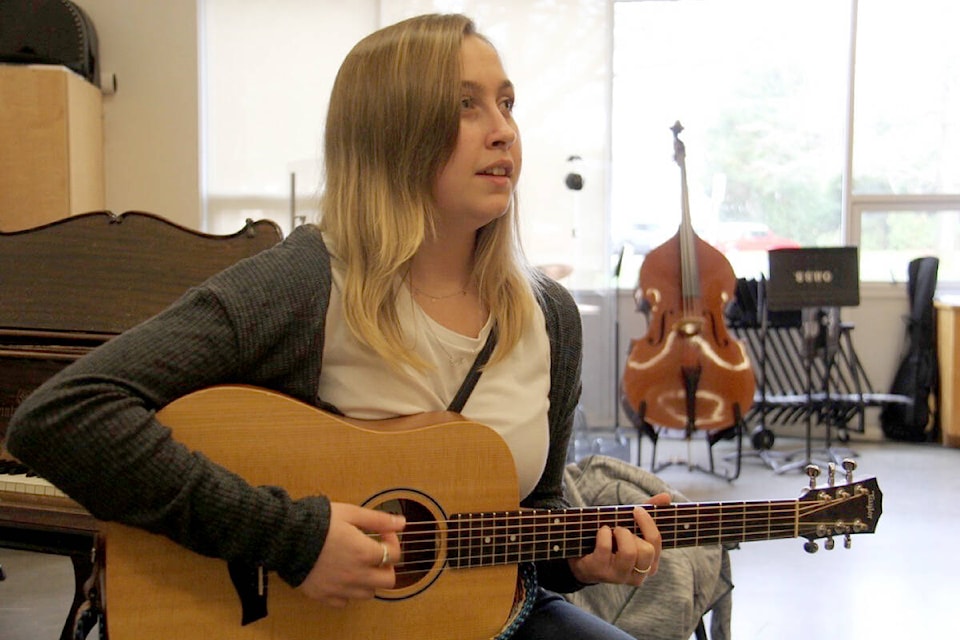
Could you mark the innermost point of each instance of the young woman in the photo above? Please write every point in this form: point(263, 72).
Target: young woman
point(379, 310)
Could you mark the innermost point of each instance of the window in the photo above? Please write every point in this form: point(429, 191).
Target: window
point(766, 93)
point(906, 137)
point(763, 117)
point(889, 240)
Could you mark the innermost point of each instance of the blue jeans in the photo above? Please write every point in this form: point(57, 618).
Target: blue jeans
point(553, 618)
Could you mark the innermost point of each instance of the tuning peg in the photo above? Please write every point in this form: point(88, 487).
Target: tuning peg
point(813, 471)
point(810, 546)
point(832, 474)
point(829, 544)
point(847, 542)
point(849, 464)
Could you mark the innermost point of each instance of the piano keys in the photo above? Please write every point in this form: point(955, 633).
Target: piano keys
point(17, 478)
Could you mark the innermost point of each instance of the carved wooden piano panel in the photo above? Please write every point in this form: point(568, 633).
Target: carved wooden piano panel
point(65, 288)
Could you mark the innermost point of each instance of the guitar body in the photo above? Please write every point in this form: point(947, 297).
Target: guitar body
point(155, 589)
point(465, 536)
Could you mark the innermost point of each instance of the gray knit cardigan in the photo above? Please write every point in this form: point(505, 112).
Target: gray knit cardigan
point(91, 429)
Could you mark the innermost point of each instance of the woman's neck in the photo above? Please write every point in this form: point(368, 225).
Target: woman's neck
point(442, 265)
point(441, 282)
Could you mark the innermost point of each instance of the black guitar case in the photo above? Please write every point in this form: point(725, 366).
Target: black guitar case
point(917, 377)
point(49, 32)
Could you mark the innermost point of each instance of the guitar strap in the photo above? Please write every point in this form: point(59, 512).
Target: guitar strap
point(469, 382)
point(523, 601)
point(466, 387)
point(527, 575)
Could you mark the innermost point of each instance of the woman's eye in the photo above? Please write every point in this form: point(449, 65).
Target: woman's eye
point(466, 103)
point(507, 104)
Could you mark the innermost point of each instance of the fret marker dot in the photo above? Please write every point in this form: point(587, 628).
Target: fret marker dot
point(487, 540)
point(686, 526)
point(556, 548)
point(513, 538)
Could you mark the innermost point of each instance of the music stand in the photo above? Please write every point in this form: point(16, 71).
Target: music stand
point(817, 281)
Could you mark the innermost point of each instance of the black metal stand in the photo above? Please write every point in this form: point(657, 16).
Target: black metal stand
point(818, 281)
point(644, 428)
point(821, 332)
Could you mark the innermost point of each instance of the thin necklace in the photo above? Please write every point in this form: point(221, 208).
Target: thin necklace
point(417, 290)
point(429, 296)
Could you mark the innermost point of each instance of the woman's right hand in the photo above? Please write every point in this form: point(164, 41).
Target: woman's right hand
point(349, 565)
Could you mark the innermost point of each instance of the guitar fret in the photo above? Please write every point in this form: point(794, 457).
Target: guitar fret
point(769, 514)
point(735, 531)
point(499, 552)
point(555, 535)
point(513, 538)
point(488, 539)
point(684, 529)
point(596, 527)
point(716, 539)
point(708, 516)
point(454, 540)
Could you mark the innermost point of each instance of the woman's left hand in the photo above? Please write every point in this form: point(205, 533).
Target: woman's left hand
point(620, 557)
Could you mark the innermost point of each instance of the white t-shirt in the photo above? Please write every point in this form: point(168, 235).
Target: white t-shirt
point(510, 397)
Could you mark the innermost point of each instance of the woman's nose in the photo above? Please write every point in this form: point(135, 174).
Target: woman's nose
point(503, 132)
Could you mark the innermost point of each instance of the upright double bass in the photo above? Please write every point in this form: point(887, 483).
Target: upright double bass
point(687, 372)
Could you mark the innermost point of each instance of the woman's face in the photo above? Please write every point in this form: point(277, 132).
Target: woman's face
point(477, 183)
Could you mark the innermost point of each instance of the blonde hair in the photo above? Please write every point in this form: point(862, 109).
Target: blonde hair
point(392, 125)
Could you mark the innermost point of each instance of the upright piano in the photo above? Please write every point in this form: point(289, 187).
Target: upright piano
point(66, 288)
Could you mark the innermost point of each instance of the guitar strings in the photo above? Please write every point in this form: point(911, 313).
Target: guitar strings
point(485, 548)
point(483, 522)
point(624, 514)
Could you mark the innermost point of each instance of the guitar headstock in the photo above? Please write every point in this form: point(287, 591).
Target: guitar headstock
point(838, 509)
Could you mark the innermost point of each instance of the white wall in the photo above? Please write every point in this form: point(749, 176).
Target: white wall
point(270, 67)
point(151, 125)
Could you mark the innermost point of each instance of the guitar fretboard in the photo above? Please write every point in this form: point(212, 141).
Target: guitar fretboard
point(479, 539)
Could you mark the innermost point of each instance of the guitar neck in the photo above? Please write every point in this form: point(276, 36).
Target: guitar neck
point(481, 539)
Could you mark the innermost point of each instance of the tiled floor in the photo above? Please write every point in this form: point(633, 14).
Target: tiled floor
point(901, 582)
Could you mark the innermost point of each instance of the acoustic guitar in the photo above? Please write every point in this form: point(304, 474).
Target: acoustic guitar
point(455, 482)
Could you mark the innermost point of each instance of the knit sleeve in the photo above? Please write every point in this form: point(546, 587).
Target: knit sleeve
point(92, 428)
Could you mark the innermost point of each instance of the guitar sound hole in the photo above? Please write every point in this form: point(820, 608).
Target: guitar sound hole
point(421, 543)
